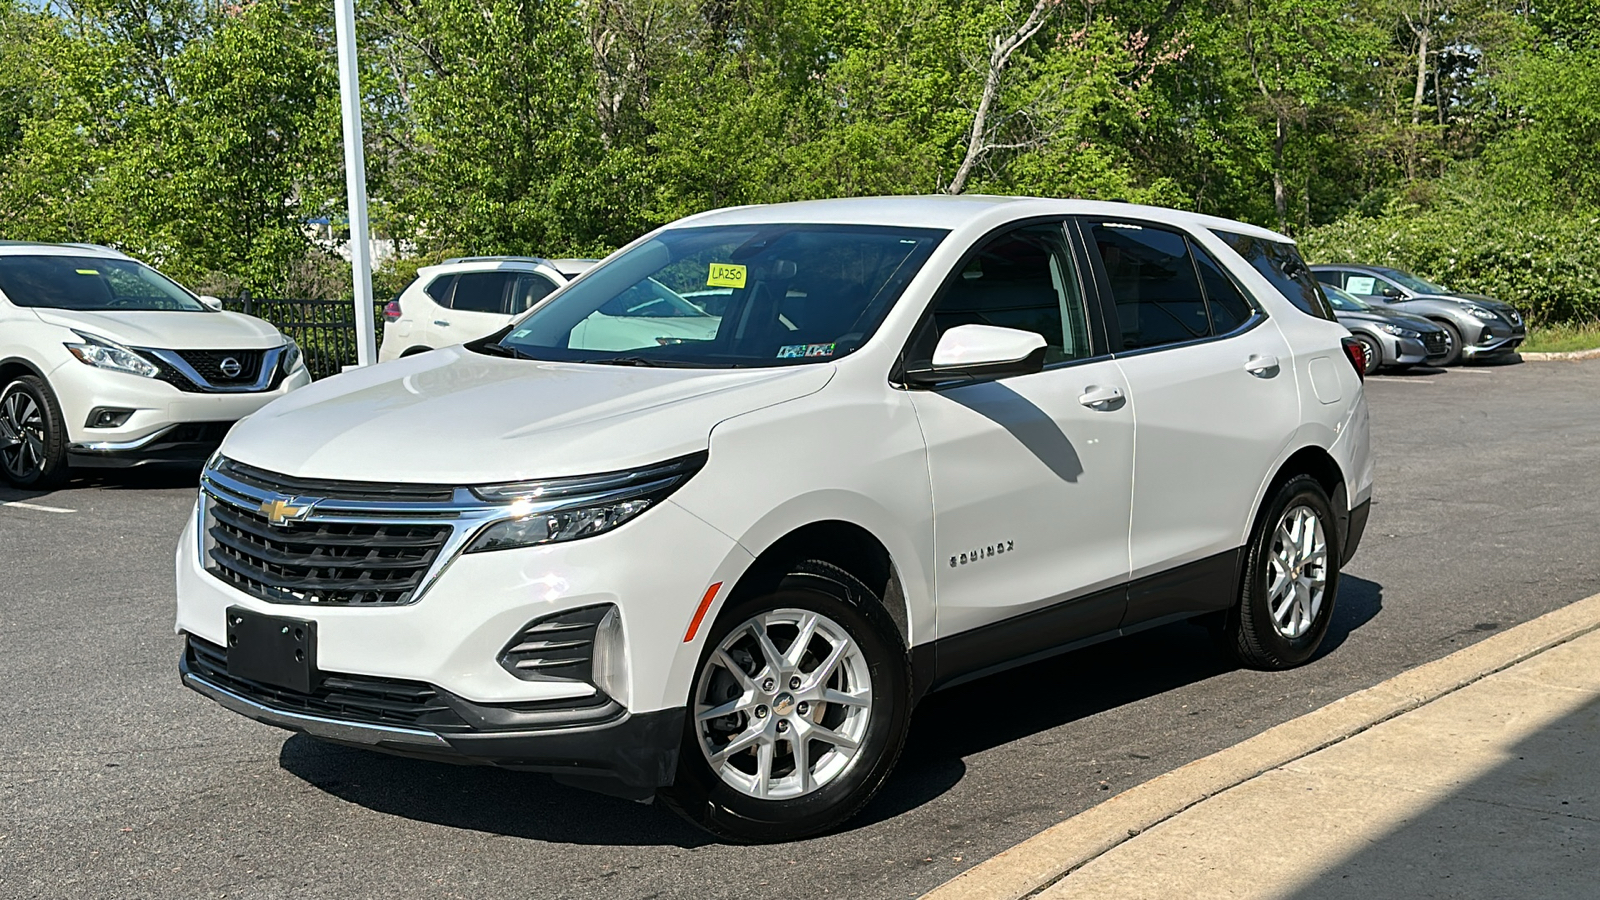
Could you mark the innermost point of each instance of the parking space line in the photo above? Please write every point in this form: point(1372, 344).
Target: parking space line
point(35, 506)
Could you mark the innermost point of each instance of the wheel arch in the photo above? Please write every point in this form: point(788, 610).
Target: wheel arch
point(1317, 462)
point(414, 351)
point(847, 545)
point(15, 367)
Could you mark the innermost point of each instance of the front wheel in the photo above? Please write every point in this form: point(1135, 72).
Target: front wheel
point(1453, 344)
point(1290, 579)
point(33, 436)
point(1372, 354)
point(798, 713)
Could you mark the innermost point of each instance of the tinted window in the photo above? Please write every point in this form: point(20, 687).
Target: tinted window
point(439, 290)
point(1229, 308)
point(481, 291)
point(1280, 263)
point(1153, 284)
point(90, 283)
point(1333, 277)
point(788, 294)
point(1025, 280)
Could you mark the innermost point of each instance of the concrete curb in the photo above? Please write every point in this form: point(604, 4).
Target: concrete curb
point(1564, 356)
point(1045, 858)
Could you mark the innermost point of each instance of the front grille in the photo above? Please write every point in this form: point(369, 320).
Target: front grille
point(1433, 341)
point(210, 365)
point(350, 698)
point(332, 563)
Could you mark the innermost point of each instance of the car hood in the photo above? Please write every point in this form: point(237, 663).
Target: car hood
point(457, 417)
point(170, 330)
point(1387, 316)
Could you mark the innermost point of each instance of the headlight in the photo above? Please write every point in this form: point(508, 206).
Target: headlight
point(291, 358)
point(107, 354)
point(1397, 331)
point(1480, 312)
point(565, 509)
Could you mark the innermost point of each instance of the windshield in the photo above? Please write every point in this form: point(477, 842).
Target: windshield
point(90, 283)
point(730, 296)
point(1412, 282)
point(1345, 301)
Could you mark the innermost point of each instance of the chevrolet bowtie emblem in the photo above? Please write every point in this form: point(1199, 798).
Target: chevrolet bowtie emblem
point(282, 512)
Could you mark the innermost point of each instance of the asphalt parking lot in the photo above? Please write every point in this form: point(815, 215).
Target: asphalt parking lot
point(118, 782)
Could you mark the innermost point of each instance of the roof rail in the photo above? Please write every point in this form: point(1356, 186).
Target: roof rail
point(467, 259)
point(101, 247)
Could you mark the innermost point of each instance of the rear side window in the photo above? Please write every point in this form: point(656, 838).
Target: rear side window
point(1153, 283)
point(1333, 277)
point(1280, 263)
point(1228, 306)
point(439, 289)
point(528, 290)
point(481, 292)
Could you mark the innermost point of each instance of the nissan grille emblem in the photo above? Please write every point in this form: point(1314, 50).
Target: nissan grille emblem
point(230, 367)
point(282, 511)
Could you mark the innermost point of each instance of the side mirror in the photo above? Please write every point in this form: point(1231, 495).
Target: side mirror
point(969, 352)
point(1393, 293)
point(212, 303)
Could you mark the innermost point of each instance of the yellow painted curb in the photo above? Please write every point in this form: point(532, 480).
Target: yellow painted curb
point(1048, 856)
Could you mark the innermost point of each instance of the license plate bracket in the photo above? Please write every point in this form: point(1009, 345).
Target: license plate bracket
point(281, 652)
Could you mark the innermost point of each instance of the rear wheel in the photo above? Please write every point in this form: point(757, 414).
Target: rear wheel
point(1371, 352)
point(1452, 341)
point(798, 713)
point(1291, 576)
point(33, 437)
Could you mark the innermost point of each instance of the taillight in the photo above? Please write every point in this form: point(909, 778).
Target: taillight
point(391, 310)
point(1356, 352)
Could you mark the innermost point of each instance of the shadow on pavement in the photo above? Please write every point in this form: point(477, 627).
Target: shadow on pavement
point(1525, 828)
point(165, 476)
point(532, 806)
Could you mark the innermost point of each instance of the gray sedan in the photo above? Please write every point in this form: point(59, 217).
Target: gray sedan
point(1391, 338)
point(1477, 327)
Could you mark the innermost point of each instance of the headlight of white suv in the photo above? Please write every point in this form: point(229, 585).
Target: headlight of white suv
point(552, 510)
point(292, 357)
point(1397, 331)
point(1480, 312)
point(108, 354)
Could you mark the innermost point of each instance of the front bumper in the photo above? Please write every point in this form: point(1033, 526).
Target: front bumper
point(188, 442)
point(1497, 338)
point(156, 407)
point(1403, 351)
point(602, 747)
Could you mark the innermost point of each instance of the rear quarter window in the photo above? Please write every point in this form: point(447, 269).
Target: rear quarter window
point(1280, 263)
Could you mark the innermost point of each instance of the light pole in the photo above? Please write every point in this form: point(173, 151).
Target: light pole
point(355, 176)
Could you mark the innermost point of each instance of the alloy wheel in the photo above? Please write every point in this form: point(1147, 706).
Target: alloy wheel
point(782, 705)
point(1297, 571)
point(22, 437)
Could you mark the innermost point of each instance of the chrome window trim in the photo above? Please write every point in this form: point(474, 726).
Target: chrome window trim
point(269, 365)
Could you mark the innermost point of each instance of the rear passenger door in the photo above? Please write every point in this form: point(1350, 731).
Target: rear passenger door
point(1214, 405)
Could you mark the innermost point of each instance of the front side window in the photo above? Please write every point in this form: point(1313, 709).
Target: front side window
point(88, 283)
point(1280, 263)
point(1343, 300)
point(730, 297)
point(529, 289)
point(1024, 279)
point(1153, 284)
point(1413, 283)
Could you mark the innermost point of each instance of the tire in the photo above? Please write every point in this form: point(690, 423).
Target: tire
point(1256, 636)
point(30, 416)
point(1452, 336)
point(724, 798)
point(1372, 353)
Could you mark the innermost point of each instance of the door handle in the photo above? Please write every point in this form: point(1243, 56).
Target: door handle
point(441, 323)
point(1100, 398)
point(1261, 366)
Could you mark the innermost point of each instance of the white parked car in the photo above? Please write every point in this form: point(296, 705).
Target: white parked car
point(106, 362)
point(464, 299)
point(928, 439)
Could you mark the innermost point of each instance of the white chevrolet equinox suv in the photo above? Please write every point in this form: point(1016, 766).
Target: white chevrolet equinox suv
point(929, 438)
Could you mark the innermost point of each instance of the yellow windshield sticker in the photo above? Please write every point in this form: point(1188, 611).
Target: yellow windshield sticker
point(726, 275)
point(88, 271)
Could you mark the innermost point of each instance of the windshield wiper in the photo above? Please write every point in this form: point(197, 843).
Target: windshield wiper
point(626, 361)
point(497, 349)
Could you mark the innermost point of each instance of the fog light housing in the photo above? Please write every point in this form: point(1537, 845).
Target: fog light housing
point(610, 666)
point(107, 417)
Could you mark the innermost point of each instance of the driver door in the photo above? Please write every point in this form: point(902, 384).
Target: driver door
point(1032, 475)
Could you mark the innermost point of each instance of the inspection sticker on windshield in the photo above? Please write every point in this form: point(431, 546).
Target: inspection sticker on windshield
point(800, 351)
point(88, 271)
point(726, 275)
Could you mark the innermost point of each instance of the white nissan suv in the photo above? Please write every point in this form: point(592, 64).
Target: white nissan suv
point(929, 438)
point(106, 362)
point(463, 299)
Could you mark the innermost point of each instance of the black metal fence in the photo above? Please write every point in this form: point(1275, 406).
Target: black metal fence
point(324, 329)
